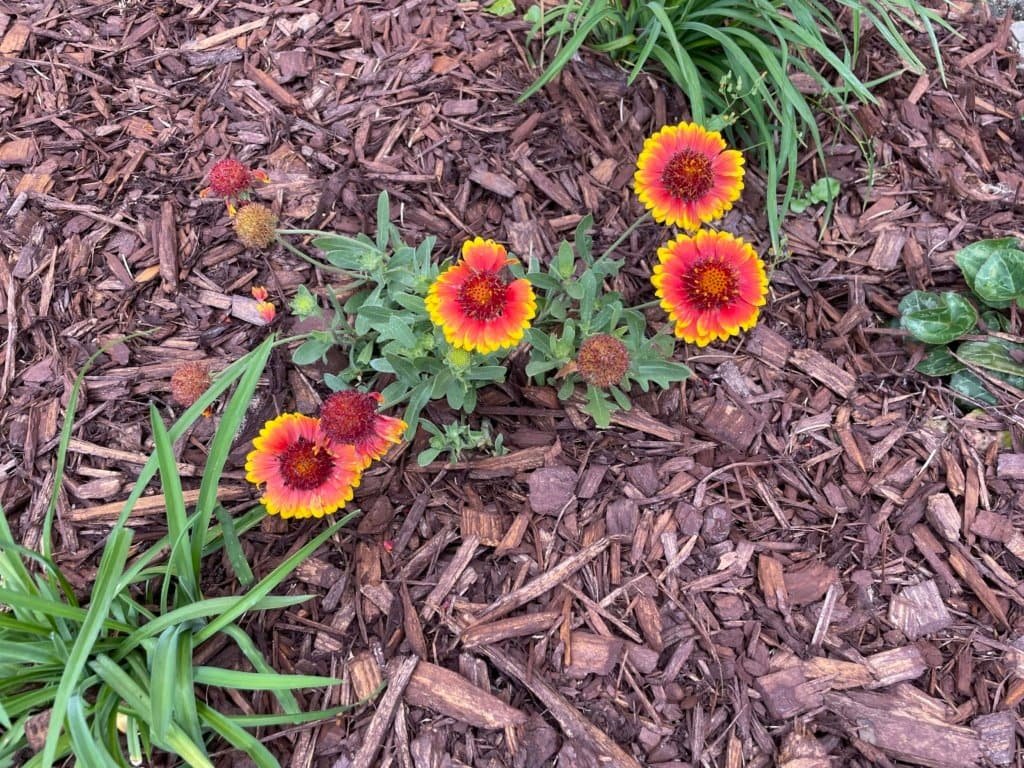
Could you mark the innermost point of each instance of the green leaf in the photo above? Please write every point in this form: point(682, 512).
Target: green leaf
point(1001, 278)
point(310, 351)
point(233, 547)
point(824, 190)
point(664, 373)
point(597, 407)
point(383, 220)
point(937, 318)
point(967, 383)
point(259, 681)
point(971, 258)
point(991, 355)
point(939, 362)
point(112, 563)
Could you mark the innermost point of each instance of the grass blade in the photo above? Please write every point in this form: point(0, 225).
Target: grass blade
point(181, 564)
point(271, 580)
point(115, 555)
point(163, 681)
point(237, 737)
point(260, 681)
point(231, 420)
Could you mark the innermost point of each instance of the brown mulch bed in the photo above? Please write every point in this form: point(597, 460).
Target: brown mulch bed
point(808, 552)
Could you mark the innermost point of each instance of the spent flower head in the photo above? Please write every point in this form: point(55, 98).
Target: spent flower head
point(603, 360)
point(232, 179)
point(189, 382)
point(256, 225)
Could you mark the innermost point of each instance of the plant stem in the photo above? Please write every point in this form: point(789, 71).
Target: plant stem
point(305, 257)
point(625, 233)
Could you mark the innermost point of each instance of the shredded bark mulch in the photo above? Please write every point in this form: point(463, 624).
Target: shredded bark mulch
point(808, 555)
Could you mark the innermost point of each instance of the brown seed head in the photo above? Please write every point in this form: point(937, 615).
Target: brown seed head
point(255, 225)
point(189, 382)
point(602, 360)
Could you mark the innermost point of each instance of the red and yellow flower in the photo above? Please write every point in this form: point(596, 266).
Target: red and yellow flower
point(351, 418)
point(303, 474)
point(264, 306)
point(711, 285)
point(685, 175)
point(476, 303)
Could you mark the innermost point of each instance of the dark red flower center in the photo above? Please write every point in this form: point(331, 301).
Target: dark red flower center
point(688, 175)
point(305, 466)
point(348, 417)
point(482, 296)
point(229, 177)
point(711, 284)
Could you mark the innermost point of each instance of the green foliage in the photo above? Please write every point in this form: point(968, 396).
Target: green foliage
point(994, 271)
point(572, 306)
point(389, 338)
point(458, 436)
point(762, 43)
point(116, 670)
point(384, 327)
point(824, 190)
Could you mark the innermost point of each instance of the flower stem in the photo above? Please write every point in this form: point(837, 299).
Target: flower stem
point(302, 255)
point(625, 233)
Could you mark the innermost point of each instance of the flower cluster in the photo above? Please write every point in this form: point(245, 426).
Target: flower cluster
point(254, 223)
point(310, 467)
point(712, 284)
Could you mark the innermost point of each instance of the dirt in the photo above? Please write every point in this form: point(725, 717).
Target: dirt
point(806, 553)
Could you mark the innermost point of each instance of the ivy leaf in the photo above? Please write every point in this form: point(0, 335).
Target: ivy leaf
point(937, 318)
point(939, 362)
point(992, 356)
point(971, 258)
point(1001, 278)
point(967, 383)
point(824, 189)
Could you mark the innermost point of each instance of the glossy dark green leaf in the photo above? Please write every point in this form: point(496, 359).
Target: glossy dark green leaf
point(939, 362)
point(937, 318)
point(991, 355)
point(1000, 279)
point(967, 383)
point(971, 258)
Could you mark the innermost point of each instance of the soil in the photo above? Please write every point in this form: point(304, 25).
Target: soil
point(807, 555)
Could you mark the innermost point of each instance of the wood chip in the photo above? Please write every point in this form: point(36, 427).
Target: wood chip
point(815, 365)
point(384, 712)
point(918, 610)
point(449, 693)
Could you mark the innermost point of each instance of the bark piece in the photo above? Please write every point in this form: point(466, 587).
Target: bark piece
point(449, 693)
point(944, 516)
point(384, 713)
point(801, 750)
point(769, 346)
point(514, 626)
point(918, 610)
point(365, 674)
point(593, 654)
point(997, 733)
point(487, 525)
point(543, 583)
point(730, 425)
point(815, 365)
point(552, 489)
point(575, 727)
point(498, 183)
point(1010, 466)
point(910, 734)
point(446, 581)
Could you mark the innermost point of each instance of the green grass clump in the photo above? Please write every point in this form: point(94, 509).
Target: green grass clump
point(115, 672)
point(736, 61)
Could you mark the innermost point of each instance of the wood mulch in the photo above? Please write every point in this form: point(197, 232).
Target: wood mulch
point(806, 556)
